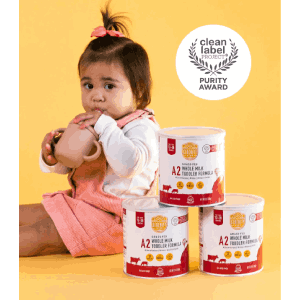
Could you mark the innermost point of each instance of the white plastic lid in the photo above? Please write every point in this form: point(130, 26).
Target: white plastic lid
point(191, 132)
point(241, 201)
point(145, 204)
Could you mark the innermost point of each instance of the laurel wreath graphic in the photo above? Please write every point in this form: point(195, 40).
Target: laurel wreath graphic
point(223, 65)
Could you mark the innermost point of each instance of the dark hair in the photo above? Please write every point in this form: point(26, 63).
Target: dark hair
point(129, 54)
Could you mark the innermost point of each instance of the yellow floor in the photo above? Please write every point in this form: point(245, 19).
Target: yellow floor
point(64, 277)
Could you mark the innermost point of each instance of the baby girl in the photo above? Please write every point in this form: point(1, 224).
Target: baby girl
point(87, 219)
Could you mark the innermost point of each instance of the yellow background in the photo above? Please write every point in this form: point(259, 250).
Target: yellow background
point(52, 37)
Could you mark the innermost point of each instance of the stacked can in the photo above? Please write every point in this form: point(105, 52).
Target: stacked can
point(191, 166)
point(192, 173)
point(231, 235)
point(155, 239)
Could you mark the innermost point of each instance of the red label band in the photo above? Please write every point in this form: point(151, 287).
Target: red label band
point(231, 269)
point(124, 211)
point(218, 217)
point(190, 200)
point(143, 270)
point(171, 144)
point(154, 271)
point(140, 219)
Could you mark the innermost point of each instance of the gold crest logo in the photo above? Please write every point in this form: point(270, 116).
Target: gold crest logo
point(190, 151)
point(237, 221)
point(159, 223)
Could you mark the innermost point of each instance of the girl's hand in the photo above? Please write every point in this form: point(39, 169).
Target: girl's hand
point(86, 119)
point(47, 150)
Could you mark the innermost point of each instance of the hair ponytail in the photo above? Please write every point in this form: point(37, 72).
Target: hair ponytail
point(113, 22)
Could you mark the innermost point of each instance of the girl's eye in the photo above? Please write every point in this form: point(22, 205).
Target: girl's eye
point(88, 86)
point(109, 86)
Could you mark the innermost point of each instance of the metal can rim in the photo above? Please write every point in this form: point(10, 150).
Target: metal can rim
point(227, 206)
point(221, 133)
point(161, 207)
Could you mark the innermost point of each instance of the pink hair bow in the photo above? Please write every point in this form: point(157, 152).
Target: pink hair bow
point(101, 31)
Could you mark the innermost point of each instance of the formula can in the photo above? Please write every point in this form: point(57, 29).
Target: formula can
point(191, 166)
point(231, 236)
point(155, 239)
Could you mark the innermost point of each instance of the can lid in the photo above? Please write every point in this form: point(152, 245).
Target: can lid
point(146, 204)
point(191, 132)
point(241, 201)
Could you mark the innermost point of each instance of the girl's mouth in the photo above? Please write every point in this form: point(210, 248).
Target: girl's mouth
point(98, 109)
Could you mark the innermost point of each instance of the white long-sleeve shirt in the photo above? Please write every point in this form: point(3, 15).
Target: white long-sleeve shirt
point(131, 153)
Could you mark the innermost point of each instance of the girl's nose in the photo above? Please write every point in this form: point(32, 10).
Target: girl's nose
point(98, 96)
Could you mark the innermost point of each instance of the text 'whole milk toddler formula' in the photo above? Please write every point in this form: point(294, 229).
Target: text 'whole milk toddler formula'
point(191, 166)
point(231, 236)
point(155, 238)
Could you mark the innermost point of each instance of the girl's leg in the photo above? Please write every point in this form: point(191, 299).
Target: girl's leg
point(31, 213)
point(40, 238)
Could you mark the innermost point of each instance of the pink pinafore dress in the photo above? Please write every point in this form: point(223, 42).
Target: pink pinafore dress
point(89, 220)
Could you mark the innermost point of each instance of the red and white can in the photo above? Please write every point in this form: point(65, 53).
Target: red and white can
point(191, 166)
point(155, 239)
point(231, 236)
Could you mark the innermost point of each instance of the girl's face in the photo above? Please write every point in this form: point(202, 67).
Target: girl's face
point(105, 87)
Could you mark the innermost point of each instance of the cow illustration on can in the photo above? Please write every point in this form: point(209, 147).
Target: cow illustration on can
point(212, 257)
point(134, 260)
point(166, 187)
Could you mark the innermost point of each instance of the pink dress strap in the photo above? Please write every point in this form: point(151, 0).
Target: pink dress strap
point(138, 114)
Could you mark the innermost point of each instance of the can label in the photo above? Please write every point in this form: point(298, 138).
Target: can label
point(156, 243)
point(236, 245)
point(192, 172)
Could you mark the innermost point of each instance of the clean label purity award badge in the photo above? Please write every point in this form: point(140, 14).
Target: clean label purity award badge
point(213, 62)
